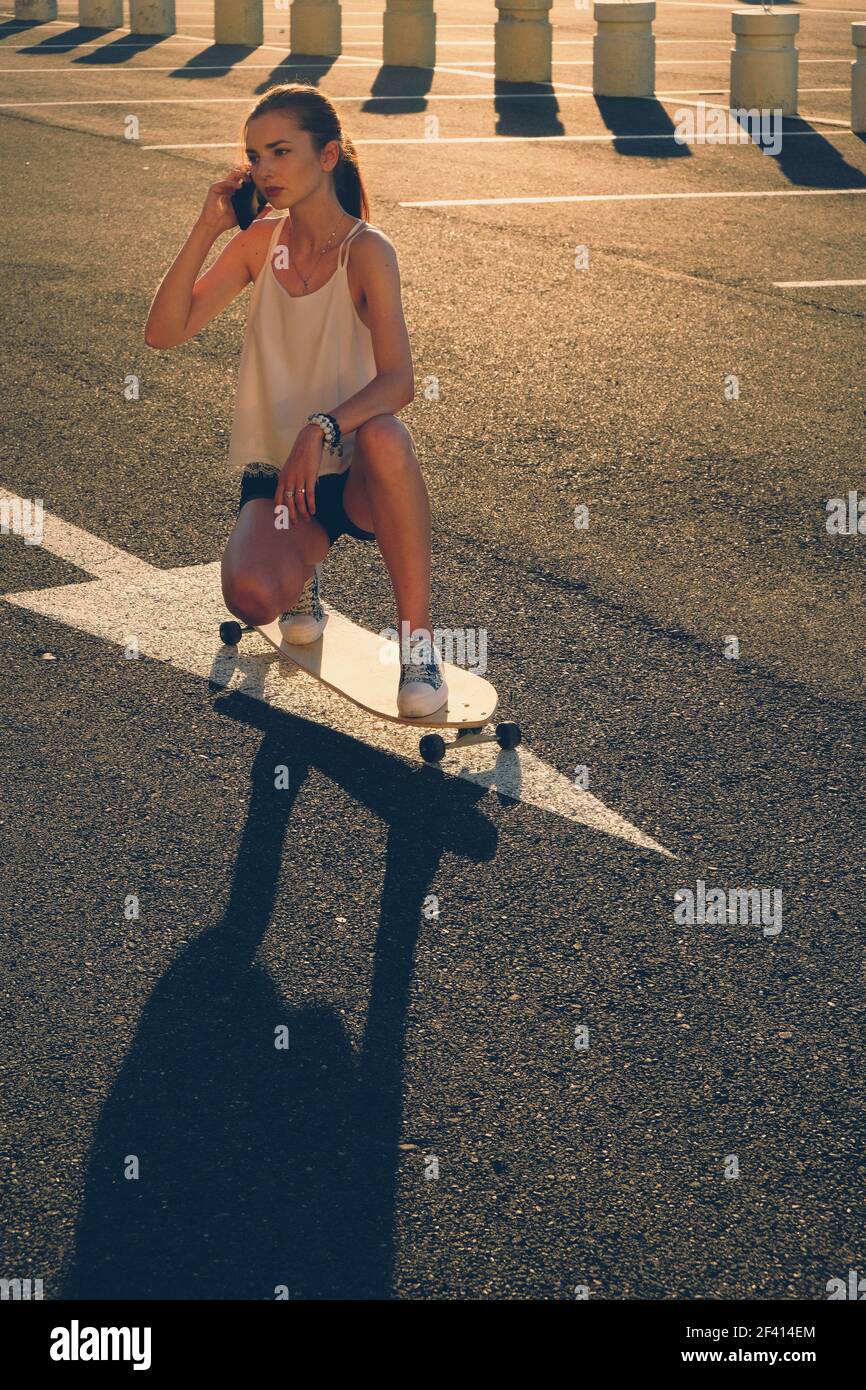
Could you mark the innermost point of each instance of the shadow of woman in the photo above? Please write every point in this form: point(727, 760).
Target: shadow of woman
point(267, 1172)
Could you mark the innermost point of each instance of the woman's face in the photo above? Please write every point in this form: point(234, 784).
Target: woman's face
point(282, 159)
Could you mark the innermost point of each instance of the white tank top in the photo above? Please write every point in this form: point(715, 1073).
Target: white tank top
point(300, 354)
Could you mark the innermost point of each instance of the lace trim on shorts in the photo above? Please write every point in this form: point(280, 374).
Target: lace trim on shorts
point(261, 470)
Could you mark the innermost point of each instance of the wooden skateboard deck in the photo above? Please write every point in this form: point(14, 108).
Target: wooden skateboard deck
point(347, 658)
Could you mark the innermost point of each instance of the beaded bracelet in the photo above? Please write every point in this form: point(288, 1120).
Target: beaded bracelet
point(330, 429)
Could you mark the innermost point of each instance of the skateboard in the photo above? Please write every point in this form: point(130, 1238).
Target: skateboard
point(356, 663)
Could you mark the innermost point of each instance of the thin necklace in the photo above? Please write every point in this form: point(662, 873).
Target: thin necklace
point(307, 278)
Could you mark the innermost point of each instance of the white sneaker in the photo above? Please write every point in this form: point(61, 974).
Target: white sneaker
point(306, 621)
point(422, 687)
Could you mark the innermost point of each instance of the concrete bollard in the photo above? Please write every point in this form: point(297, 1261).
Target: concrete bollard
point(316, 27)
point(624, 49)
point(764, 61)
point(152, 17)
point(523, 41)
point(409, 34)
point(100, 14)
point(39, 10)
point(858, 79)
point(240, 22)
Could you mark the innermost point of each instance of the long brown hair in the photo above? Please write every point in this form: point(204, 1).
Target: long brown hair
point(316, 113)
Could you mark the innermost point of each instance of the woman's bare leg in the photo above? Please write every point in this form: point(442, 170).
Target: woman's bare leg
point(264, 569)
point(385, 493)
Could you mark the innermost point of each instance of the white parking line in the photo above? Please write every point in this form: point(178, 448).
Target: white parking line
point(690, 63)
point(245, 101)
point(629, 197)
point(75, 44)
point(606, 139)
point(812, 284)
point(723, 91)
point(789, 9)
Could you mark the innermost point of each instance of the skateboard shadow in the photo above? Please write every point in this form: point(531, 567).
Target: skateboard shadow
point(263, 1170)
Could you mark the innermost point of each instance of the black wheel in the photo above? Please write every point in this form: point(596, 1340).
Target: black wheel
point(432, 748)
point(508, 735)
point(230, 633)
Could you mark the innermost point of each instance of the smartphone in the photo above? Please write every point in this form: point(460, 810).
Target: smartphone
point(248, 202)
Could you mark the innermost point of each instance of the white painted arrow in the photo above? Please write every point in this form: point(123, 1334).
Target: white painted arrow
point(174, 616)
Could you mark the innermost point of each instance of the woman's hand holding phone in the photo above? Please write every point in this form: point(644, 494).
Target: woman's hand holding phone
point(219, 213)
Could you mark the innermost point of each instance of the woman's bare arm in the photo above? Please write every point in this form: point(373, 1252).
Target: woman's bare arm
point(169, 312)
point(393, 386)
point(183, 305)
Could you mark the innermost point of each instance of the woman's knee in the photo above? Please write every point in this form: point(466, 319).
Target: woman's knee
point(386, 444)
point(250, 596)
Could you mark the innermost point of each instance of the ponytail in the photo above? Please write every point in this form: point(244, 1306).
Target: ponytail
point(349, 182)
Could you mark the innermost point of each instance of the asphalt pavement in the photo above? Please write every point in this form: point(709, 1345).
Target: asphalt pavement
point(511, 1071)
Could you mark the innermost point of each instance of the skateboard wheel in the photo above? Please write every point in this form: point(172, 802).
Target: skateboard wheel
point(508, 735)
point(230, 633)
point(432, 748)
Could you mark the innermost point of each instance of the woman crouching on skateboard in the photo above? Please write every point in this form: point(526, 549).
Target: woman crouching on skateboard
point(325, 367)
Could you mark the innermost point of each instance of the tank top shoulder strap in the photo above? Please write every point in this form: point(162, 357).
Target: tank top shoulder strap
point(344, 254)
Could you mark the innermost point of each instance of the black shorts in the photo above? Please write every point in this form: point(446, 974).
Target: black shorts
point(260, 480)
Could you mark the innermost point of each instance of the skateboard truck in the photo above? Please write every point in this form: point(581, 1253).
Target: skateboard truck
point(432, 747)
